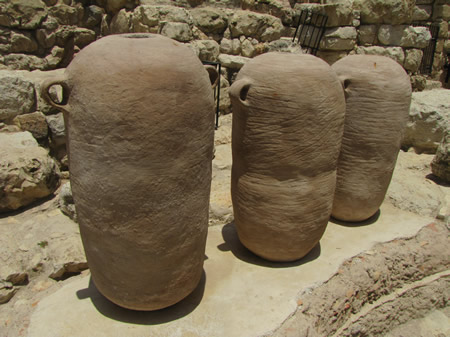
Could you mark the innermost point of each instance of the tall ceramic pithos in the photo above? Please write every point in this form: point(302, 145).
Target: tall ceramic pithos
point(139, 110)
point(378, 95)
point(288, 115)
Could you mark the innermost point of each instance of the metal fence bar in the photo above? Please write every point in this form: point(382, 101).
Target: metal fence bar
point(426, 66)
point(218, 67)
point(311, 31)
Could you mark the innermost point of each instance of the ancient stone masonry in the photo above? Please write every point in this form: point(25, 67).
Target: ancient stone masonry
point(46, 34)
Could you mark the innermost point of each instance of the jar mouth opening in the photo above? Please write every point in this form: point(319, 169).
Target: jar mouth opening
point(137, 36)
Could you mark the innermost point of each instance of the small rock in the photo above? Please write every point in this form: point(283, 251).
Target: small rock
point(232, 61)
point(17, 96)
point(18, 279)
point(7, 291)
point(429, 118)
point(260, 26)
point(440, 166)
point(178, 31)
point(210, 20)
point(35, 123)
point(66, 202)
point(208, 50)
point(22, 14)
point(27, 173)
point(395, 53)
point(413, 59)
point(57, 129)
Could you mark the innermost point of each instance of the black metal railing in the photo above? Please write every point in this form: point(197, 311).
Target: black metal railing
point(426, 66)
point(309, 30)
point(218, 67)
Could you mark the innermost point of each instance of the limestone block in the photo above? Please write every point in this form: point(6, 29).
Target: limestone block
point(144, 18)
point(57, 129)
point(260, 26)
point(388, 11)
point(174, 14)
point(443, 30)
point(234, 62)
point(121, 22)
point(23, 42)
point(34, 123)
point(339, 14)
point(440, 166)
point(92, 17)
point(46, 38)
point(413, 58)
point(66, 203)
point(208, 50)
point(279, 8)
point(24, 62)
point(50, 23)
point(55, 57)
point(17, 96)
point(429, 118)
point(178, 31)
point(83, 36)
point(331, 56)
point(341, 38)
point(24, 14)
point(210, 20)
point(232, 47)
point(404, 36)
point(225, 102)
point(284, 45)
point(27, 173)
point(64, 14)
point(247, 48)
point(422, 12)
point(114, 6)
point(367, 34)
point(395, 53)
point(442, 12)
point(447, 46)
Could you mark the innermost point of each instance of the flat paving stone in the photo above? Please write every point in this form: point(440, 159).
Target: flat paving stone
point(239, 295)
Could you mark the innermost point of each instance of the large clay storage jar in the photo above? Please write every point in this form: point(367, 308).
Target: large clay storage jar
point(288, 115)
point(378, 95)
point(139, 110)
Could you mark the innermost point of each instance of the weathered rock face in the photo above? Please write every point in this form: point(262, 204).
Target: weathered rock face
point(404, 36)
point(395, 53)
point(428, 122)
point(27, 173)
point(288, 115)
point(156, 146)
point(35, 123)
point(388, 11)
point(378, 95)
point(17, 96)
point(440, 166)
point(25, 14)
point(66, 203)
point(259, 26)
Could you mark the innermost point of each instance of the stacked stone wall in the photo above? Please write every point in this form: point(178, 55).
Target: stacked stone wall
point(46, 34)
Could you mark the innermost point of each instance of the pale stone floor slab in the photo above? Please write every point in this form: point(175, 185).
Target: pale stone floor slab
point(239, 295)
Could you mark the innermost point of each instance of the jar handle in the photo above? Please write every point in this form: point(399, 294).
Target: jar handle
point(239, 90)
point(56, 80)
point(213, 75)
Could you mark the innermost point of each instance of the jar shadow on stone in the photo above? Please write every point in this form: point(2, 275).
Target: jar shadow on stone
point(117, 313)
point(373, 219)
point(233, 244)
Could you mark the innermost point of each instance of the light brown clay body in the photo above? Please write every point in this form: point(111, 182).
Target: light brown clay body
point(378, 95)
point(140, 120)
point(288, 115)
